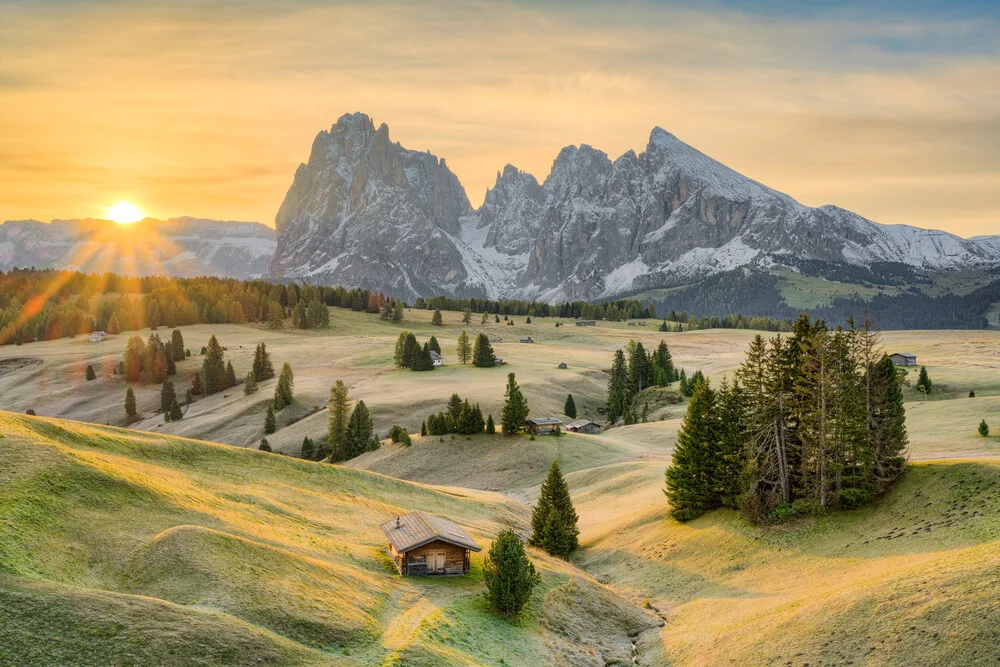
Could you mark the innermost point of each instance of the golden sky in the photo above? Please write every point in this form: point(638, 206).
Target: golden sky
point(206, 108)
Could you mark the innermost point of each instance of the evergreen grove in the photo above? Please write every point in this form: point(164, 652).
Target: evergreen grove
point(814, 420)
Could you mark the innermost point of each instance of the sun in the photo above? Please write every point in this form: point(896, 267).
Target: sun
point(124, 213)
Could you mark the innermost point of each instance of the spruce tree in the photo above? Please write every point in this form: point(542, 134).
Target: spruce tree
point(167, 396)
point(422, 360)
point(984, 428)
point(213, 367)
point(663, 365)
point(264, 445)
point(338, 408)
point(436, 318)
point(177, 345)
point(887, 430)
point(619, 389)
point(434, 345)
point(230, 375)
point(262, 368)
point(250, 385)
point(490, 426)
point(554, 520)
point(482, 354)
point(270, 423)
point(466, 316)
point(515, 408)
point(640, 370)
point(464, 347)
point(308, 449)
point(171, 364)
point(130, 408)
point(924, 384)
point(175, 411)
point(359, 431)
point(411, 349)
point(569, 409)
point(90, 374)
point(283, 390)
point(510, 577)
point(188, 397)
point(399, 356)
point(423, 429)
point(690, 477)
point(454, 408)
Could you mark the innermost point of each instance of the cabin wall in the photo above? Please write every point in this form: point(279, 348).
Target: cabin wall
point(455, 560)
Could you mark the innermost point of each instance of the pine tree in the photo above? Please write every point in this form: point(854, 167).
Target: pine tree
point(984, 428)
point(464, 347)
point(262, 368)
point(887, 431)
point(423, 429)
point(270, 423)
point(490, 426)
point(230, 375)
point(663, 365)
point(411, 350)
point(690, 477)
point(90, 374)
point(434, 345)
point(515, 408)
point(422, 360)
point(250, 385)
point(466, 316)
point(554, 521)
point(640, 370)
point(619, 389)
point(213, 367)
point(924, 384)
point(264, 445)
point(167, 396)
point(338, 409)
point(436, 318)
point(177, 345)
point(130, 408)
point(308, 449)
point(569, 409)
point(175, 413)
point(197, 387)
point(510, 577)
point(398, 357)
point(482, 354)
point(171, 364)
point(283, 390)
point(359, 431)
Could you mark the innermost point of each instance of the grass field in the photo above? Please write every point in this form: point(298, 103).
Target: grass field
point(255, 554)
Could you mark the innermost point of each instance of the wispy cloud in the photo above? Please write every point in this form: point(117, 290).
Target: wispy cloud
point(206, 108)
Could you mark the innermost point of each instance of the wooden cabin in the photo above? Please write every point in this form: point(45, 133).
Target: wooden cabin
point(583, 426)
point(436, 358)
point(903, 359)
point(562, 365)
point(526, 339)
point(423, 545)
point(542, 425)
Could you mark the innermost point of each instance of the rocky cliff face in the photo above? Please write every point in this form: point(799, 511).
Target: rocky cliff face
point(184, 247)
point(366, 212)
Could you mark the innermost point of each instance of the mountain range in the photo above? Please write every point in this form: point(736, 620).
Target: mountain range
point(364, 211)
point(184, 247)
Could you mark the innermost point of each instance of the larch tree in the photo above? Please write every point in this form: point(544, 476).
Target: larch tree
point(436, 318)
point(464, 347)
point(339, 408)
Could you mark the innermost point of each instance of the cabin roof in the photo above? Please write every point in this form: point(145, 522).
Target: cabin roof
point(581, 422)
point(417, 529)
point(545, 421)
point(903, 354)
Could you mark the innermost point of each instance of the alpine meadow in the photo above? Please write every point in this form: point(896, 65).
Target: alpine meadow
point(471, 392)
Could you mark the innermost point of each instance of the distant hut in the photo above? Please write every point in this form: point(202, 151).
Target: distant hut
point(542, 425)
point(436, 358)
point(583, 426)
point(498, 361)
point(562, 365)
point(98, 336)
point(421, 545)
point(526, 339)
point(581, 323)
point(496, 339)
point(903, 359)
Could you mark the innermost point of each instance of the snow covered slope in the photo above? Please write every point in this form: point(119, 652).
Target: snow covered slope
point(367, 212)
point(176, 247)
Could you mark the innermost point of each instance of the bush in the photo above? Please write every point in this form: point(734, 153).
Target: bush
point(396, 433)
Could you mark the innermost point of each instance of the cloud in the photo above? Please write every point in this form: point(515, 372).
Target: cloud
point(209, 107)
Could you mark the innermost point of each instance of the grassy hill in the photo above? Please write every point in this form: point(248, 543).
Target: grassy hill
point(121, 547)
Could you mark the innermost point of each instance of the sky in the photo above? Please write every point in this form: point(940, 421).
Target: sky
point(890, 109)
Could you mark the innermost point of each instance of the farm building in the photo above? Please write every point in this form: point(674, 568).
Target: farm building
point(98, 336)
point(526, 339)
point(903, 359)
point(436, 358)
point(583, 426)
point(498, 361)
point(562, 365)
point(422, 545)
point(542, 425)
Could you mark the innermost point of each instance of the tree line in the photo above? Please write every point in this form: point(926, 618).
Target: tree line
point(813, 420)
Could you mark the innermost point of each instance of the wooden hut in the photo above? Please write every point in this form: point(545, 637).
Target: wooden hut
point(542, 425)
point(423, 545)
point(903, 359)
point(583, 426)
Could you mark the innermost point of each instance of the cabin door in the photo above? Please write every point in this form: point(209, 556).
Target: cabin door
point(435, 562)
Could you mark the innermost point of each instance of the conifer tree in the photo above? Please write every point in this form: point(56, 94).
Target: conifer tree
point(177, 345)
point(197, 386)
point(924, 384)
point(436, 318)
point(283, 390)
point(359, 431)
point(464, 347)
point(308, 449)
point(423, 429)
point(250, 385)
point(515, 408)
point(454, 408)
point(230, 374)
point(130, 408)
point(887, 430)
point(640, 370)
point(984, 428)
point(690, 477)
point(175, 413)
point(134, 359)
point(466, 316)
point(339, 407)
point(264, 445)
point(663, 365)
point(619, 389)
point(213, 367)
point(167, 395)
point(270, 422)
point(90, 374)
point(554, 520)
point(398, 357)
point(491, 428)
point(434, 345)
point(510, 577)
point(482, 354)
point(569, 409)
point(422, 360)
point(262, 368)
point(411, 350)
point(171, 364)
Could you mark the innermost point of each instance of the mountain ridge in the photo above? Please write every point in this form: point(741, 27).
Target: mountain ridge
point(367, 212)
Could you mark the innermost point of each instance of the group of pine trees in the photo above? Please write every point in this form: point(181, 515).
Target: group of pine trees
point(634, 370)
point(315, 315)
point(409, 353)
point(151, 360)
point(813, 420)
point(618, 310)
point(350, 433)
point(459, 416)
point(217, 374)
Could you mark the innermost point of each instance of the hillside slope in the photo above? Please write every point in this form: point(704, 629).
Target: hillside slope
point(121, 547)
